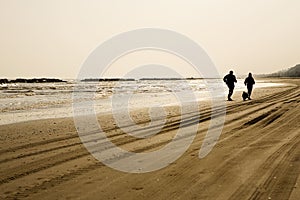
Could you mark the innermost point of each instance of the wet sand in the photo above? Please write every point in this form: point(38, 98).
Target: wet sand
point(256, 157)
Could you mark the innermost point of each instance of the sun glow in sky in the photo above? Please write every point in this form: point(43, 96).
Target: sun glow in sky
point(52, 38)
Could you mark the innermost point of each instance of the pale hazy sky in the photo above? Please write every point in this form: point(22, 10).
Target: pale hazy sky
point(52, 38)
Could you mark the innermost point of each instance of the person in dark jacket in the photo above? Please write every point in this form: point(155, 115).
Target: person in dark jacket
point(230, 79)
point(249, 82)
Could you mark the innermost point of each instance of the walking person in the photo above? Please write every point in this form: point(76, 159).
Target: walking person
point(249, 82)
point(230, 79)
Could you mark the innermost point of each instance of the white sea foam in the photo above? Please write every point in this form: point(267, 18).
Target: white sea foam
point(31, 101)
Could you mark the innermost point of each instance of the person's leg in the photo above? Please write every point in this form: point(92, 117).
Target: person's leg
point(230, 93)
point(249, 91)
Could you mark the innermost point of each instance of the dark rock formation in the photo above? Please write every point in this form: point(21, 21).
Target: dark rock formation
point(107, 79)
point(34, 80)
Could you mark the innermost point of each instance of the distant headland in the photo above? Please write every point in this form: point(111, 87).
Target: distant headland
point(290, 72)
point(33, 80)
point(132, 79)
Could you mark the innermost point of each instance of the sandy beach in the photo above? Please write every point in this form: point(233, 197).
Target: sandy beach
point(256, 157)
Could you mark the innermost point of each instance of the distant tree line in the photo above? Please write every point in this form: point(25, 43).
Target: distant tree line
point(33, 80)
point(290, 72)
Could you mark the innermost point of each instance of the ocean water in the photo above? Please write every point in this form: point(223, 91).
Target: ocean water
point(30, 101)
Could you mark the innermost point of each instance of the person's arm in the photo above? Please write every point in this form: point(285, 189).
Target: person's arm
point(225, 79)
point(235, 79)
point(245, 82)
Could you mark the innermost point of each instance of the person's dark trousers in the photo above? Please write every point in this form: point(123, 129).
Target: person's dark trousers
point(230, 92)
point(249, 90)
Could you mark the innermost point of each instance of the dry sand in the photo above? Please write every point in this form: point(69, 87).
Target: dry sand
point(256, 157)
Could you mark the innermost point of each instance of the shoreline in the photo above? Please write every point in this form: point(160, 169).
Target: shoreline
point(62, 110)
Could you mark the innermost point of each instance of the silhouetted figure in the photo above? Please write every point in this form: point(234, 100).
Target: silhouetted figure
point(249, 82)
point(230, 79)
